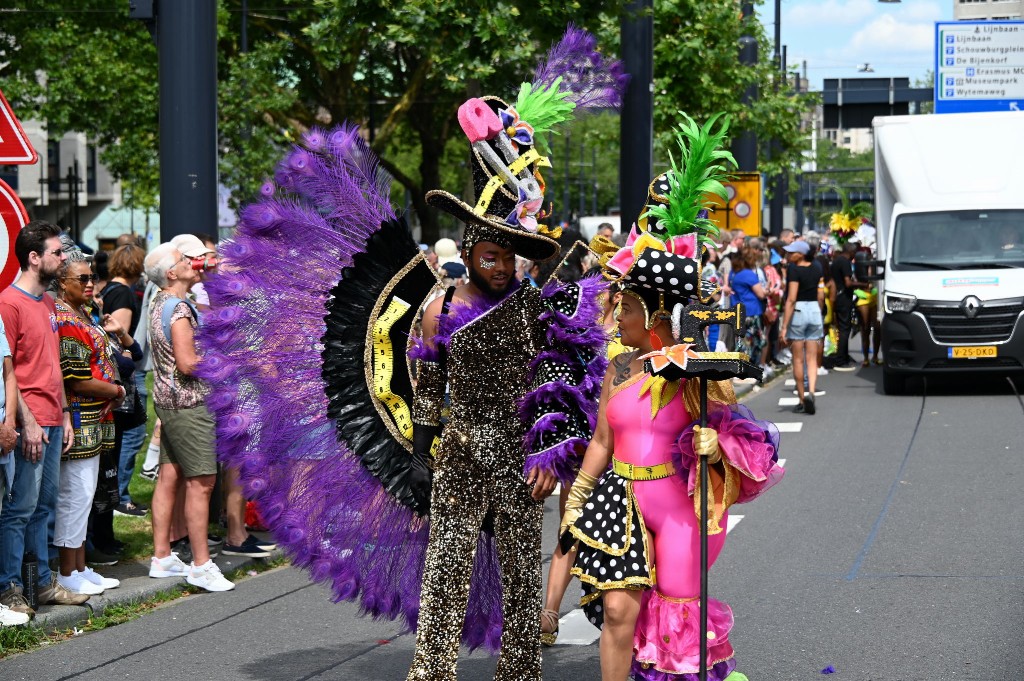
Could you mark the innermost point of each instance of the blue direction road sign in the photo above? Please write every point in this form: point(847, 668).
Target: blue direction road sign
point(979, 66)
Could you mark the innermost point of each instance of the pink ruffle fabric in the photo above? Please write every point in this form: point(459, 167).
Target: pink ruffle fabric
point(750, 445)
point(667, 634)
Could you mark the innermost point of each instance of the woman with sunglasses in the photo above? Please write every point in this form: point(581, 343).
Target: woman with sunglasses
point(90, 373)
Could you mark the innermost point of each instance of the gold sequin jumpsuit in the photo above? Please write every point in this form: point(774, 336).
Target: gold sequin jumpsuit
point(479, 470)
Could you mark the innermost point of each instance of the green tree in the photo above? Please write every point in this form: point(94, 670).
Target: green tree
point(89, 69)
point(697, 70)
point(400, 69)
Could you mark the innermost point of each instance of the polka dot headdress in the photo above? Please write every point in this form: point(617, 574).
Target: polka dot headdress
point(661, 261)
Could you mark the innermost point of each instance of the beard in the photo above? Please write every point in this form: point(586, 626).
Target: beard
point(48, 276)
point(485, 285)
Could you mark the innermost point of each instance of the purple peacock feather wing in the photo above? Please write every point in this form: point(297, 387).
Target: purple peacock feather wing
point(263, 353)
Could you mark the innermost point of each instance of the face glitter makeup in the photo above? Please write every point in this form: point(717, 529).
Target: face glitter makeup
point(487, 264)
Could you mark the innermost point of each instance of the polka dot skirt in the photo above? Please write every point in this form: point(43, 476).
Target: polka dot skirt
point(622, 563)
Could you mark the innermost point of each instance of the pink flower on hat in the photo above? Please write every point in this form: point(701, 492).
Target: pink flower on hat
point(525, 213)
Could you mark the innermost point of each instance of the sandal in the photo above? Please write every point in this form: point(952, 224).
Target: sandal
point(878, 362)
point(548, 619)
point(865, 363)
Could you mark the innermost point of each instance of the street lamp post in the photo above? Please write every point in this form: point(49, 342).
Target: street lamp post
point(636, 124)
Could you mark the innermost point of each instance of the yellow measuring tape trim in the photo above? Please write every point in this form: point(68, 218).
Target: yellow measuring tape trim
point(383, 366)
point(487, 193)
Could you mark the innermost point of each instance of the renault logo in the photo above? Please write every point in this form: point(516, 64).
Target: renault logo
point(970, 306)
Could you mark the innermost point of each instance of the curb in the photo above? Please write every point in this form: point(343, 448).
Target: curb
point(136, 586)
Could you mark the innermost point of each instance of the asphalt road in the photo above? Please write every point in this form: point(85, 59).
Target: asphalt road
point(891, 550)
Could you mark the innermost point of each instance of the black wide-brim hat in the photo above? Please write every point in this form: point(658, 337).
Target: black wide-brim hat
point(491, 224)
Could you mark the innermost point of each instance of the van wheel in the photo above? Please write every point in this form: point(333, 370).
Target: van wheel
point(893, 383)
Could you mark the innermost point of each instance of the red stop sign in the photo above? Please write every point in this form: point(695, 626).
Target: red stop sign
point(13, 217)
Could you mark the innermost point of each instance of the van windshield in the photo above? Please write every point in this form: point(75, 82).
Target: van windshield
point(959, 240)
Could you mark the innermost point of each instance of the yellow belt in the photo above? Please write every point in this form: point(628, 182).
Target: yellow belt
point(632, 472)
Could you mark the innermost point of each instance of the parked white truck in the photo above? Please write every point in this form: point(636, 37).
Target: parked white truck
point(949, 210)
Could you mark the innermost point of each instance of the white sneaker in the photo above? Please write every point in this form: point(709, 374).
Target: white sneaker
point(99, 580)
point(10, 618)
point(822, 371)
point(77, 584)
point(171, 566)
point(209, 577)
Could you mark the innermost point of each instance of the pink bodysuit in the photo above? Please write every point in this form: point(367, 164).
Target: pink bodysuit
point(666, 507)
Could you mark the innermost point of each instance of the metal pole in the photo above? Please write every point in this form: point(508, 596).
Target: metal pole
point(777, 204)
point(566, 206)
point(580, 179)
point(187, 47)
point(244, 49)
point(636, 124)
point(703, 538)
point(744, 146)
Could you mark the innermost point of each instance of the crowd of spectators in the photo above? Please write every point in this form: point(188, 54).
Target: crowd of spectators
point(81, 338)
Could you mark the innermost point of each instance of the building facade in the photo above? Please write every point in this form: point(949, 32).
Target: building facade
point(992, 10)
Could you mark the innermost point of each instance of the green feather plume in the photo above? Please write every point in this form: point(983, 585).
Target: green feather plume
point(544, 108)
point(702, 169)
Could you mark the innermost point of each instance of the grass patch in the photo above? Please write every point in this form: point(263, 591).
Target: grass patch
point(20, 639)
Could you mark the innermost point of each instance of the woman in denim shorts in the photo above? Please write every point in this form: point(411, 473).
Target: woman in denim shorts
point(801, 324)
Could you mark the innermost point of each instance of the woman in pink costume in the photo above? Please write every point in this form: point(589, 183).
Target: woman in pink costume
point(632, 508)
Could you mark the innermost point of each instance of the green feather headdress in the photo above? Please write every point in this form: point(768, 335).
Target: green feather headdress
point(545, 107)
point(703, 168)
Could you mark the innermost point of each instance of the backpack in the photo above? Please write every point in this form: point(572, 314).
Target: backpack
point(168, 311)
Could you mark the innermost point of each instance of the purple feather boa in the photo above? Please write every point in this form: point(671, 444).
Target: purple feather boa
point(262, 349)
point(593, 81)
point(572, 338)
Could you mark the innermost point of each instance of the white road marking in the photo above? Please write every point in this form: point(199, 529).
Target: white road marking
point(790, 427)
point(789, 401)
point(574, 629)
point(733, 521)
point(782, 463)
point(790, 382)
point(817, 393)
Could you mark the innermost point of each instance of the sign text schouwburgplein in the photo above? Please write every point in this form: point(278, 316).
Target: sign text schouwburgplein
point(979, 66)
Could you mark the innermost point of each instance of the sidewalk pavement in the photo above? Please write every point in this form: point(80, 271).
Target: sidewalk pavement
point(136, 586)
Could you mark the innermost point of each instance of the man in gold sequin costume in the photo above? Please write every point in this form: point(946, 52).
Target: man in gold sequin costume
point(512, 357)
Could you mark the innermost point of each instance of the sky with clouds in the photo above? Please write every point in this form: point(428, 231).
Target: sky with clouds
point(836, 36)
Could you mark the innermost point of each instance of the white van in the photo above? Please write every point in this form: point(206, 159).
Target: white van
point(949, 208)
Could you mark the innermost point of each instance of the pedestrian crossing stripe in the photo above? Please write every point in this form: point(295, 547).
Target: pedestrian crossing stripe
point(790, 426)
point(782, 463)
point(789, 401)
point(574, 629)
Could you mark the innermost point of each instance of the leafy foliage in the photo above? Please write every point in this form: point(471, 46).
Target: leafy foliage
point(697, 70)
point(401, 69)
